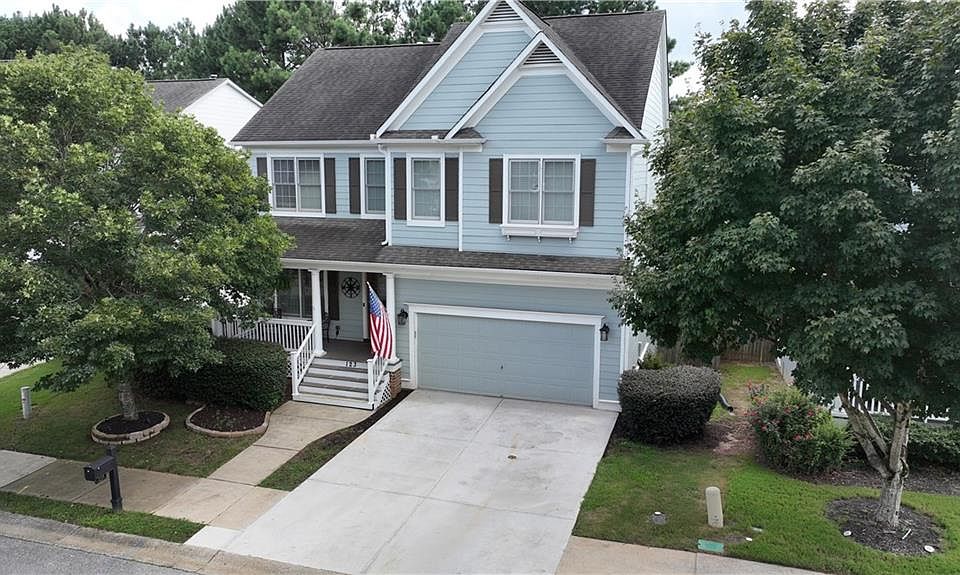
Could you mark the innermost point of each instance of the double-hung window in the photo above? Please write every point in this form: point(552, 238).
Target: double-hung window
point(375, 186)
point(426, 190)
point(542, 192)
point(298, 184)
point(294, 297)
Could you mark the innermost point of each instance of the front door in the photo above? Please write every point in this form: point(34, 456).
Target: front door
point(350, 292)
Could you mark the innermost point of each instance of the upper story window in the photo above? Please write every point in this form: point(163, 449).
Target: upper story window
point(541, 191)
point(297, 184)
point(375, 186)
point(426, 190)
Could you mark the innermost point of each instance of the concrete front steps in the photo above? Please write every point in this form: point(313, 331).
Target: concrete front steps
point(333, 382)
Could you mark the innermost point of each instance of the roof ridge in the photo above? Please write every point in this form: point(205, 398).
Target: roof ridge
point(188, 80)
point(628, 13)
point(403, 45)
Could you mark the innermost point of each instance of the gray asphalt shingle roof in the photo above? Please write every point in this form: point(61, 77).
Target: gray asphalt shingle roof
point(360, 240)
point(176, 95)
point(347, 93)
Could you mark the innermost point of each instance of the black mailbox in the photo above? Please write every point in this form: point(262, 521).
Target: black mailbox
point(99, 469)
point(105, 467)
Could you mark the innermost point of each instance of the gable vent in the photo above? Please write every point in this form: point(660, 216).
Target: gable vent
point(502, 12)
point(542, 55)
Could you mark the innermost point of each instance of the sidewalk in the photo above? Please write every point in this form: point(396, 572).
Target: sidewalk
point(607, 558)
point(228, 499)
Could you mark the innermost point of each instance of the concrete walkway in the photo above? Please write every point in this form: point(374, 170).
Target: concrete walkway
point(228, 499)
point(444, 483)
point(610, 558)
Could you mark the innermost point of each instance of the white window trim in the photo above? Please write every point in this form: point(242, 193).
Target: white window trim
point(363, 187)
point(411, 221)
point(298, 212)
point(541, 230)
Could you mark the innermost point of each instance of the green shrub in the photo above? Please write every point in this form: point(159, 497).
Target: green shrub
point(253, 375)
point(796, 434)
point(929, 443)
point(670, 405)
point(652, 361)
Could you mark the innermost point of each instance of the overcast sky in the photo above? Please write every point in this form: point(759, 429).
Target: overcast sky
point(684, 18)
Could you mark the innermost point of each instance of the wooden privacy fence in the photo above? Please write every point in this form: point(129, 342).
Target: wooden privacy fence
point(758, 351)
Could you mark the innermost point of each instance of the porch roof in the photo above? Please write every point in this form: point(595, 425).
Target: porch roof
point(360, 240)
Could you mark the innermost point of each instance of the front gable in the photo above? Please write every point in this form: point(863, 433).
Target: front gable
point(468, 79)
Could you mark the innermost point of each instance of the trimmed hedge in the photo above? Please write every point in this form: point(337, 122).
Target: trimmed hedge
point(796, 434)
point(929, 443)
point(253, 375)
point(670, 405)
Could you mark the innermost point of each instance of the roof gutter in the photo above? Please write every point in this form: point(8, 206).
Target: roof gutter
point(360, 143)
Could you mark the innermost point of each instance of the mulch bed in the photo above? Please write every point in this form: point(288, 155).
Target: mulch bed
point(344, 436)
point(923, 479)
point(117, 425)
point(228, 418)
point(915, 530)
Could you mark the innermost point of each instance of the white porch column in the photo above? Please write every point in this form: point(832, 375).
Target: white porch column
point(392, 311)
point(316, 309)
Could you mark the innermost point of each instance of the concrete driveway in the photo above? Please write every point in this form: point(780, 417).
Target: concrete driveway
point(444, 483)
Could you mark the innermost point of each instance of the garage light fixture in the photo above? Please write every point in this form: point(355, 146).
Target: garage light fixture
point(402, 317)
point(604, 332)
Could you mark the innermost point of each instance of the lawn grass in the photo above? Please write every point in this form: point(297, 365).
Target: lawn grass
point(60, 427)
point(135, 523)
point(633, 481)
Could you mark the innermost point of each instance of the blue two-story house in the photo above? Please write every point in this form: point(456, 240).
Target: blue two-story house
point(479, 185)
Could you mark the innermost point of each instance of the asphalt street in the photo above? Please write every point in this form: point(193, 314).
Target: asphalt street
point(28, 558)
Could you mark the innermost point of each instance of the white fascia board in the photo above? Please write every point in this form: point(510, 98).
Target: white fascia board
point(242, 92)
point(306, 144)
point(515, 71)
point(467, 275)
point(508, 314)
point(468, 144)
point(447, 61)
point(225, 84)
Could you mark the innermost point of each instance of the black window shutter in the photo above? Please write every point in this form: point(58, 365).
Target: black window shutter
point(496, 191)
point(452, 189)
point(262, 167)
point(588, 185)
point(330, 185)
point(354, 185)
point(333, 295)
point(400, 189)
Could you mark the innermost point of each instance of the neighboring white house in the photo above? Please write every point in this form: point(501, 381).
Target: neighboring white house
point(214, 102)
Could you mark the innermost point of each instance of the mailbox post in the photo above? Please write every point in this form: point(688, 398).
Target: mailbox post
point(101, 469)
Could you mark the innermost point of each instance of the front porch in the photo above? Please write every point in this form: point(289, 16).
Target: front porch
point(321, 319)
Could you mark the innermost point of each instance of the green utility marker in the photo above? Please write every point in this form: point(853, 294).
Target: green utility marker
point(711, 546)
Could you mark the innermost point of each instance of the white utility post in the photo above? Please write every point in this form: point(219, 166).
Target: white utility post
point(25, 401)
point(714, 507)
point(316, 308)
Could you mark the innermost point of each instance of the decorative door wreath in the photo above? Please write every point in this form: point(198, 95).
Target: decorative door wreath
point(350, 286)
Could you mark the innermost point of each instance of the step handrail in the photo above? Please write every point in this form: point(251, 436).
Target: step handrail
point(301, 359)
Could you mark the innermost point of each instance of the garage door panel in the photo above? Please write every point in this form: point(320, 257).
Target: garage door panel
point(511, 358)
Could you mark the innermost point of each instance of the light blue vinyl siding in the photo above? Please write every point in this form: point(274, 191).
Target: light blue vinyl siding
point(559, 300)
point(546, 115)
point(468, 80)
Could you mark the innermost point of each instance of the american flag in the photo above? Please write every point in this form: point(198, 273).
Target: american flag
point(381, 339)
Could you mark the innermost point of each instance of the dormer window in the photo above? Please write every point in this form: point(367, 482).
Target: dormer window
point(425, 190)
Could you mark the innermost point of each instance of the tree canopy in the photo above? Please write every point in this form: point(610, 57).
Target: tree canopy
point(123, 230)
point(810, 196)
point(258, 44)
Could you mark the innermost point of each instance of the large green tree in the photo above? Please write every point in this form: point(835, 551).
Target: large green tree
point(123, 230)
point(811, 195)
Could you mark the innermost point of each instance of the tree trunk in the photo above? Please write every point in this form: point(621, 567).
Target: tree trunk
point(128, 403)
point(888, 512)
point(888, 456)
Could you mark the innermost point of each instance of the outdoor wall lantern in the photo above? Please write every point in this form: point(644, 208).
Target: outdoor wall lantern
point(402, 317)
point(605, 332)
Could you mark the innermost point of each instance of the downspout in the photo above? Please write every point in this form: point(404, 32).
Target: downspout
point(388, 194)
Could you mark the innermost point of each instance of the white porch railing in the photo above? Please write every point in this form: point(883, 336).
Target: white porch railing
point(288, 333)
point(301, 359)
point(376, 384)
